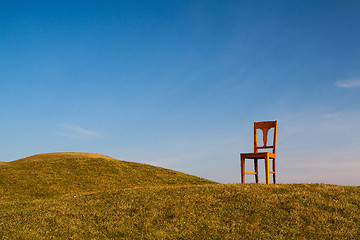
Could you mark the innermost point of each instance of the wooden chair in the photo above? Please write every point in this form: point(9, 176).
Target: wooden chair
point(265, 127)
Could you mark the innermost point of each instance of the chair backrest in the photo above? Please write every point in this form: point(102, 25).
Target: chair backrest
point(265, 127)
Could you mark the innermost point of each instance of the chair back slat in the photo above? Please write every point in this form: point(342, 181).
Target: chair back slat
point(265, 127)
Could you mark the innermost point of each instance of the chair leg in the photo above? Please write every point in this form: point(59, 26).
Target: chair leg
point(242, 162)
point(256, 170)
point(267, 168)
point(274, 170)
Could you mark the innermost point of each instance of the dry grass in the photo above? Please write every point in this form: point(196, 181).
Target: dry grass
point(61, 156)
point(56, 174)
point(181, 211)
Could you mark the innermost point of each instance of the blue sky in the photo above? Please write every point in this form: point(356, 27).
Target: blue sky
point(178, 84)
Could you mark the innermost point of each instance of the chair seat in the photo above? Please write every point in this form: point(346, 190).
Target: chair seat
point(259, 155)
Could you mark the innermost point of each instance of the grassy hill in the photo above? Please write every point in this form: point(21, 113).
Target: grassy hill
point(163, 204)
point(55, 174)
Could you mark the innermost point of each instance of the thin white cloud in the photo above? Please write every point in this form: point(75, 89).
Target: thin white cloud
point(330, 115)
point(75, 131)
point(349, 83)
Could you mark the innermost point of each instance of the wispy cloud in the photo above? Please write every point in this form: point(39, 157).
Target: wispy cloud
point(75, 131)
point(349, 83)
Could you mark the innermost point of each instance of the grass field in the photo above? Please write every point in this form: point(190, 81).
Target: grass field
point(54, 196)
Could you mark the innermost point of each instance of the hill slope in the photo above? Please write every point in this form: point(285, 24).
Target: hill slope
point(215, 211)
point(91, 196)
point(46, 175)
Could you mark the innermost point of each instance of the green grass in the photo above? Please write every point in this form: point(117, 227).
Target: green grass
point(167, 205)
